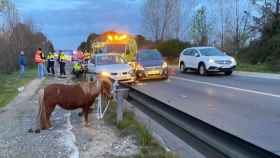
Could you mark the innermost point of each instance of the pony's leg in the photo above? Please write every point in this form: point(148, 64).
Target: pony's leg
point(86, 111)
point(48, 115)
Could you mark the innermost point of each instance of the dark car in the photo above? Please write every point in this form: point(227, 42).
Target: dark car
point(150, 65)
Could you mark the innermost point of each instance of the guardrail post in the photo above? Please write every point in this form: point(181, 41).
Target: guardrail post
point(120, 105)
point(119, 95)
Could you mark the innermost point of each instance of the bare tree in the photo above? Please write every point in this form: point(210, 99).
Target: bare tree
point(178, 18)
point(161, 18)
point(200, 27)
point(151, 18)
point(16, 36)
point(222, 23)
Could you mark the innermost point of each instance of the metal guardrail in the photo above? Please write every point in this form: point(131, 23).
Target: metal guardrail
point(206, 139)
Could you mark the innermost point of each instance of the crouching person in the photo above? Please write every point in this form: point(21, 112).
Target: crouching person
point(77, 69)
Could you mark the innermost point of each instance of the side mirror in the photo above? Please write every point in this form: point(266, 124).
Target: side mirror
point(196, 55)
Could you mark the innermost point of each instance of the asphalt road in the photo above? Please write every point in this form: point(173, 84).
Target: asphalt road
point(246, 107)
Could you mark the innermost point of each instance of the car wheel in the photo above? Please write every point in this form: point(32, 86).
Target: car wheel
point(182, 68)
point(228, 73)
point(202, 70)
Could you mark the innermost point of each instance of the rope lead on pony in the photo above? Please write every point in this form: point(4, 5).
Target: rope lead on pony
point(118, 94)
point(100, 114)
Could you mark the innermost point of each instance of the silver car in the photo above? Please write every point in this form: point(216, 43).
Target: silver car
point(111, 65)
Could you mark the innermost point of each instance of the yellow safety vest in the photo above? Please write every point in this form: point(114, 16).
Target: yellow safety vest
point(62, 57)
point(77, 66)
point(50, 57)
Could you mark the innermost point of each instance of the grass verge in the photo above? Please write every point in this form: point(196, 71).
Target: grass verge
point(149, 147)
point(10, 84)
point(255, 68)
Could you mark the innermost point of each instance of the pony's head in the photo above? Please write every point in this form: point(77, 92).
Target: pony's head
point(106, 86)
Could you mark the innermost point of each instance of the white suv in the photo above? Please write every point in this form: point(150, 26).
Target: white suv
point(206, 59)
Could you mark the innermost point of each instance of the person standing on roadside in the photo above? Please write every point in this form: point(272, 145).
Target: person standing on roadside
point(39, 60)
point(62, 62)
point(22, 63)
point(51, 60)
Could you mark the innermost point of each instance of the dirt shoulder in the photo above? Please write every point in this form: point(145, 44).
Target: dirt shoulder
point(68, 137)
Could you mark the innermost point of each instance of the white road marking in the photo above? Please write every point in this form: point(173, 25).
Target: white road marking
point(69, 139)
point(228, 87)
point(183, 96)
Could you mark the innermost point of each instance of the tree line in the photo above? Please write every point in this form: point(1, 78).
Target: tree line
point(247, 29)
point(16, 36)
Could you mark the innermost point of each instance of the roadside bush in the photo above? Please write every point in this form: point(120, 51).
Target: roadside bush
point(172, 48)
point(263, 52)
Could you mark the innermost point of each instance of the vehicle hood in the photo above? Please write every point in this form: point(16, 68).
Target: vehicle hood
point(150, 63)
point(220, 57)
point(114, 68)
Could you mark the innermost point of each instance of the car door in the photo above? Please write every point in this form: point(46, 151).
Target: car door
point(195, 58)
point(186, 57)
point(191, 58)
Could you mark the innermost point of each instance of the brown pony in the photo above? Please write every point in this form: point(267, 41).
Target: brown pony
point(69, 97)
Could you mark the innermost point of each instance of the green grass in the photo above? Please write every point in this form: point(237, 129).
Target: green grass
point(11, 82)
point(255, 68)
point(149, 147)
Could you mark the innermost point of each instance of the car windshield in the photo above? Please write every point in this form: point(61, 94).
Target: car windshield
point(211, 52)
point(109, 59)
point(149, 55)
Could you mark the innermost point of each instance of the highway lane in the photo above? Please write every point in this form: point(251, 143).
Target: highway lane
point(243, 106)
point(244, 82)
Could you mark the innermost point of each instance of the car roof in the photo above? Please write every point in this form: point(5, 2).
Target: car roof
point(105, 54)
point(147, 50)
point(199, 47)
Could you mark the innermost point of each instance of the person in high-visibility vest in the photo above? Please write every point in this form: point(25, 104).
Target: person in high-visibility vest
point(39, 60)
point(62, 62)
point(77, 69)
point(51, 61)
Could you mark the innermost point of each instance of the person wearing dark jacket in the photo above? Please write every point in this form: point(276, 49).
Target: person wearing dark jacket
point(22, 63)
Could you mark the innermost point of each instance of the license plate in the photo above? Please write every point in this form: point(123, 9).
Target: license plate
point(153, 72)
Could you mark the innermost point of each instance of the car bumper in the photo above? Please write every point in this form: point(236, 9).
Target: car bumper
point(152, 73)
point(124, 79)
point(221, 68)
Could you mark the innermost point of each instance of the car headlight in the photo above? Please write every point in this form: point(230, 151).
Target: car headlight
point(211, 61)
point(139, 67)
point(164, 65)
point(233, 60)
point(105, 74)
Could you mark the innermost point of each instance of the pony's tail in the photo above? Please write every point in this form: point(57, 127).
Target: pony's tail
point(43, 122)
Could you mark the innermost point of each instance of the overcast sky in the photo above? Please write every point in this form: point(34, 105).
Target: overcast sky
point(68, 22)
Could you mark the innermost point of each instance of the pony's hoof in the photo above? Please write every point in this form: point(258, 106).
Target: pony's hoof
point(30, 130)
point(37, 131)
point(87, 125)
